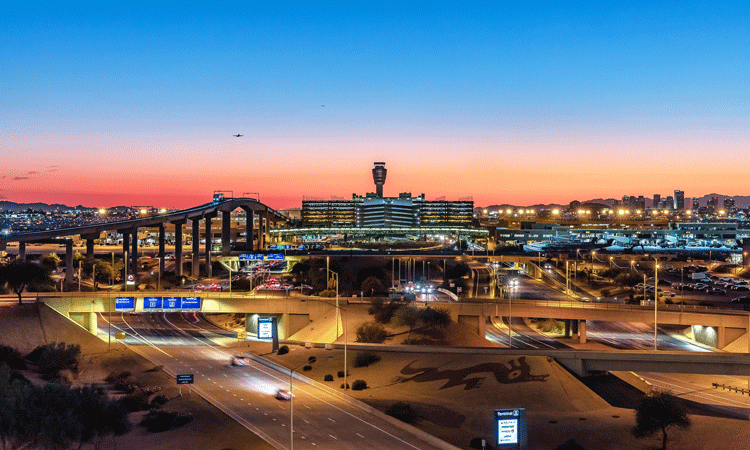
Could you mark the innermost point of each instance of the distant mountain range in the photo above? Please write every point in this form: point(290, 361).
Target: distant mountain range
point(740, 201)
point(54, 207)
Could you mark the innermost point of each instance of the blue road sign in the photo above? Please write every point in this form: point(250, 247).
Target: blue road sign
point(275, 256)
point(265, 327)
point(124, 303)
point(191, 303)
point(171, 303)
point(152, 303)
point(185, 378)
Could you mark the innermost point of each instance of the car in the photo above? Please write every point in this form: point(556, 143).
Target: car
point(740, 287)
point(283, 394)
point(239, 360)
point(716, 291)
point(200, 287)
point(743, 299)
point(214, 287)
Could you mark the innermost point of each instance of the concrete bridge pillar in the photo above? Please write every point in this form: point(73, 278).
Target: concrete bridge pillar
point(209, 245)
point(85, 319)
point(574, 326)
point(134, 252)
point(89, 248)
point(262, 231)
point(196, 247)
point(721, 337)
point(582, 331)
point(162, 245)
point(567, 328)
point(69, 262)
point(250, 230)
point(226, 245)
point(178, 246)
point(22, 251)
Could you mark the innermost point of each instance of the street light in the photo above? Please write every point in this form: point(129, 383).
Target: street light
point(310, 360)
point(656, 295)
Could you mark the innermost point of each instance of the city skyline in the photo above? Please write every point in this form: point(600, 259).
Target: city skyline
point(138, 105)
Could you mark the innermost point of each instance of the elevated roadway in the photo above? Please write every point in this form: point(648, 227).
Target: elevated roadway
point(129, 230)
point(293, 315)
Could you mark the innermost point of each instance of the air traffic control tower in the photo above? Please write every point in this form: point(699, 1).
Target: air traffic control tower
point(378, 176)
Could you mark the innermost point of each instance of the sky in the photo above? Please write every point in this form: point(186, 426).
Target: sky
point(528, 102)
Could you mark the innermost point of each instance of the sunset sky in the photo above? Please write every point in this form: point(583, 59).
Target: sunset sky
point(508, 102)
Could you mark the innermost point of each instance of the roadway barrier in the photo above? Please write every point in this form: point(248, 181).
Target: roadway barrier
point(424, 436)
point(449, 294)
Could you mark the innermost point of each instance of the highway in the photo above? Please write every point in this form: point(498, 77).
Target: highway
point(184, 343)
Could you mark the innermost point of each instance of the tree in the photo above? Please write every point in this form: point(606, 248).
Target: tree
point(371, 332)
point(372, 285)
point(50, 262)
point(20, 274)
point(407, 316)
point(658, 411)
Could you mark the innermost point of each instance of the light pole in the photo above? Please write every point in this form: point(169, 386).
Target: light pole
point(656, 294)
point(310, 360)
point(513, 285)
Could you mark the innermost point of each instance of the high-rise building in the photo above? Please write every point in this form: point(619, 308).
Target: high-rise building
point(378, 176)
point(657, 201)
point(679, 200)
point(712, 204)
point(696, 204)
point(669, 202)
point(729, 205)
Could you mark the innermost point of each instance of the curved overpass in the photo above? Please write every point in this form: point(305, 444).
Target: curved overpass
point(267, 217)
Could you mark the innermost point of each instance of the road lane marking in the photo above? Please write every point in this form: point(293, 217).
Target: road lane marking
point(331, 420)
point(359, 435)
point(334, 437)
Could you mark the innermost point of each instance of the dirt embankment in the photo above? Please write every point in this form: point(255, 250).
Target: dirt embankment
point(25, 327)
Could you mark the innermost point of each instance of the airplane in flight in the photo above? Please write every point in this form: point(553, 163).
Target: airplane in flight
point(237, 135)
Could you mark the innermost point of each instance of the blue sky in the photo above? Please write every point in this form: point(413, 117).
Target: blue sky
point(432, 80)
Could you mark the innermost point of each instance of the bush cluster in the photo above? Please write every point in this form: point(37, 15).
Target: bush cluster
point(364, 359)
point(359, 385)
point(12, 358)
point(52, 358)
point(328, 377)
point(156, 420)
point(372, 333)
point(283, 350)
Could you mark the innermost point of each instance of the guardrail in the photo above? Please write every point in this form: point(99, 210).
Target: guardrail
point(294, 295)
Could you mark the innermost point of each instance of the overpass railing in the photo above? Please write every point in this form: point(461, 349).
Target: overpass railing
point(610, 306)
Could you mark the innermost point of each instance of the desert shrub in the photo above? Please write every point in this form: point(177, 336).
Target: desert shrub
point(159, 400)
point(307, 368)
point(155, 369)
point(135, 401)
point(12, 357)
point(342, 386)
point(283, 350)
point(328, 377)
point(125, 386)
point(364, 359)
point(340, 374)
point(50, 359)
point(403, 412)
point(156, 421)
point(371, 333)
point(358, 385)
point(114, 377)
point(385, 313)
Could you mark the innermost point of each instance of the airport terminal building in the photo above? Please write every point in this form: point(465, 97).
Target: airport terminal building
point(375, 215)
